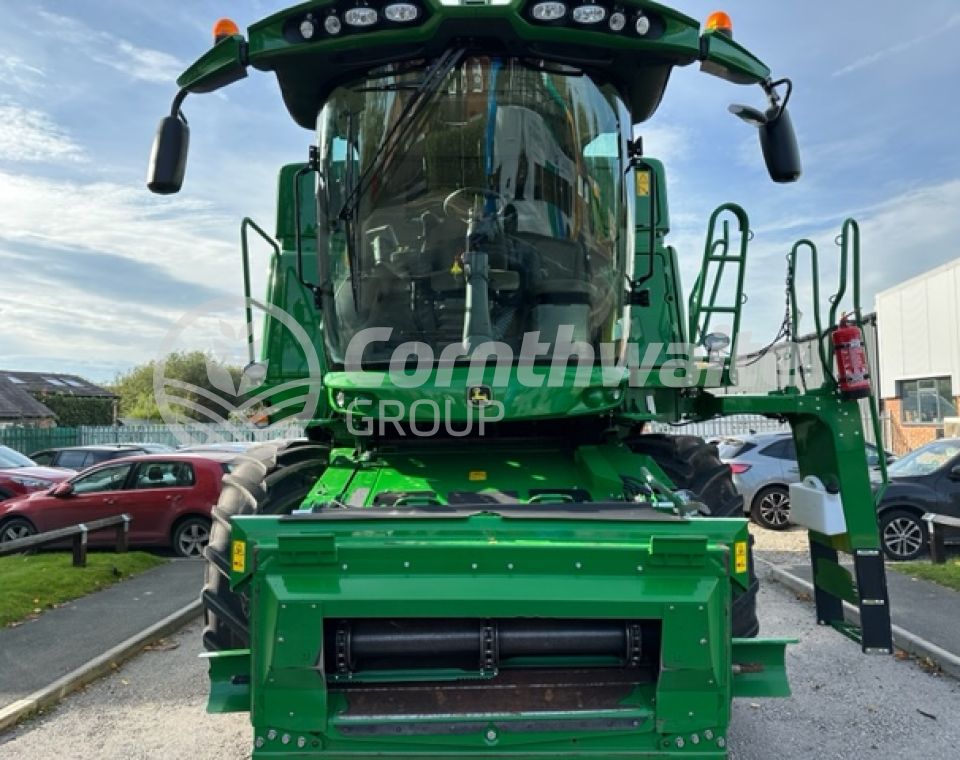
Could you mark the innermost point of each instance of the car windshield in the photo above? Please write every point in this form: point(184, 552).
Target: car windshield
point(11, 458)
point(924, 460)
point(525, 159)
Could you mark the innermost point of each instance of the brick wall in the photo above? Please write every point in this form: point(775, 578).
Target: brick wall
point(905, 438)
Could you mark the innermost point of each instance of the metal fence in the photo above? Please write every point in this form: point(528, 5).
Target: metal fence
point(723, 427)
point(28, 440)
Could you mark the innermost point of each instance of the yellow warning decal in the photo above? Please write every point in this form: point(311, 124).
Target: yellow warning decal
point(238, 554)
point(740, 556)
point(478, 475)
point(643, 183)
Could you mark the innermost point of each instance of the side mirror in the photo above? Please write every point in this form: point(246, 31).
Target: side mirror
point(168, 159)
point(955, 472)
point(778, 140)
point(62, 489)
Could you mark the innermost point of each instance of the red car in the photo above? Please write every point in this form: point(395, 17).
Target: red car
point(20, 475)
point(169, 497)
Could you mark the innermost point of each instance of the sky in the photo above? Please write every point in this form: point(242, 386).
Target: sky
point(96, 273)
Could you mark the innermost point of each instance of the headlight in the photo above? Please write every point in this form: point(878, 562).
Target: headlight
point(642, 25)
point(401, 13)
point(589, 14)
point(361, 16)
point(550, 11)
point(332, 24)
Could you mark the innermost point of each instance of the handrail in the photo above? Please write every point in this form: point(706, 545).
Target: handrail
point(849, 242)
point(78, 535)
point(795, 312)
point(717, 250)
point(245, 252)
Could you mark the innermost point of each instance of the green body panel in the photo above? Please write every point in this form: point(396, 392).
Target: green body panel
point(303, 569)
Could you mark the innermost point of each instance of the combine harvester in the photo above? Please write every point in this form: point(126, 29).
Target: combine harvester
point(479, 551)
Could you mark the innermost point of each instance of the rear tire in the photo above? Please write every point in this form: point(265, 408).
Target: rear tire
point(190, 537)
point(771, 508)
point(271, 479)
point(694, 465)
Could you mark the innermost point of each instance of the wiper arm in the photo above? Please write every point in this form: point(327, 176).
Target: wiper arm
point(422, 95)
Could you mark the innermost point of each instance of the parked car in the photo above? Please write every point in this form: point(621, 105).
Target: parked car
point(80, 457)
point(169, 497)
point(20, 475)
point(925, 480)
point(764, 465)
point(230, 447)
point(150, 447)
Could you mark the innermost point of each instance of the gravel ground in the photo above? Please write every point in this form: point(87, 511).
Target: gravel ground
point(846, 706)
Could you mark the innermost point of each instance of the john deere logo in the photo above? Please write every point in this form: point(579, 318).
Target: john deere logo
point(480, 395)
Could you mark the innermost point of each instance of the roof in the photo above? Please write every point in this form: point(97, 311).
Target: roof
point(97, 447)
point(53, 382)
point(17, 404)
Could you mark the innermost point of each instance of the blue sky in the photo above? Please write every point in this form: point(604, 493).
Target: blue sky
point(95, 271)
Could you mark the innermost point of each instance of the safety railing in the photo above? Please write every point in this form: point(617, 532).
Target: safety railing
point(849, 243)
point(719, 252)
point(77, 535)
point(246, 225)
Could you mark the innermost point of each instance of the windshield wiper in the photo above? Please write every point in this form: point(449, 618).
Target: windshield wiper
point(422, 94)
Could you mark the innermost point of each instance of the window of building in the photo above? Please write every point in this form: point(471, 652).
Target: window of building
point(927, 401)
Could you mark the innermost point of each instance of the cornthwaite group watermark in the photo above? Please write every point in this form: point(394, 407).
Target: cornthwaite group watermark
point(420, 388)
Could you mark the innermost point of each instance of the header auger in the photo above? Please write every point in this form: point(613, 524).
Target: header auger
point(473, 307)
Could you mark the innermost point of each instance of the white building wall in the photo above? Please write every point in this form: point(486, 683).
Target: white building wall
point(919, 326)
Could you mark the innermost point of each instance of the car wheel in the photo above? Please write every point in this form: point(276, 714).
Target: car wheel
point(902, 535)
point(191, 536)
point(771, 508)
point(17, 527)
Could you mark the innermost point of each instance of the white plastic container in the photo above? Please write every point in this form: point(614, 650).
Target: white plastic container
point(813, 507)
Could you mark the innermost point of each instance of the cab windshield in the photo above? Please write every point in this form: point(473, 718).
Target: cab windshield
point(487, 209)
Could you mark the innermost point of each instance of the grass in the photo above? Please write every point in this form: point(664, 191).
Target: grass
point(946, 575)
point(30, 584)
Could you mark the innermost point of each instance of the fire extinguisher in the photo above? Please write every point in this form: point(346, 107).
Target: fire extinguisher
point(853, 371)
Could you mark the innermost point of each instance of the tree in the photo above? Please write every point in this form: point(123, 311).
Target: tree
point(193, 386)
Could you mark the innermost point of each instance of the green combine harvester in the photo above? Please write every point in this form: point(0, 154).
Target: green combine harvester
point(478, 550)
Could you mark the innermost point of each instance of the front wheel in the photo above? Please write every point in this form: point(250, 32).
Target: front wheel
point(16, 528)
point(191, 537)
point(771, 508)
point(902, 535)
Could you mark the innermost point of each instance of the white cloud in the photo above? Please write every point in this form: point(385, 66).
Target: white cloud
point(897, 49)
point(137, 62)
point(186, 239)
point(29, 135)
point(18, 73)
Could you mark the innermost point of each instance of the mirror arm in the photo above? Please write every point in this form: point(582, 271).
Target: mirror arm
point(175, 111)
point(773, 97)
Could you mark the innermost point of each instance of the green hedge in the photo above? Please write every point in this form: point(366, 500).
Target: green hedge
point(73, 411)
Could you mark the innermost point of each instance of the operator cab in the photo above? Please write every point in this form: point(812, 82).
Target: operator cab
point(486, 209)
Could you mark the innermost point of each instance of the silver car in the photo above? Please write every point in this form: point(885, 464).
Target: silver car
point(764, 465)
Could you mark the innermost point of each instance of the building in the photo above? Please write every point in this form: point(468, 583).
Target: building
point(44, 399)
point(919, 323)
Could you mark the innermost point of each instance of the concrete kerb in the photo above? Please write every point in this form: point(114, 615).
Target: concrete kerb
point(97, 667)
point(909, 642)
